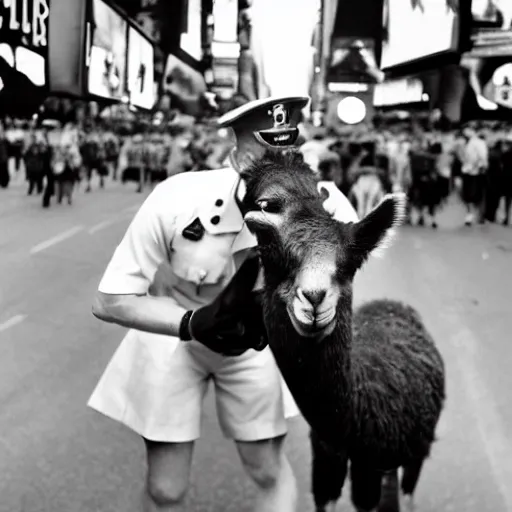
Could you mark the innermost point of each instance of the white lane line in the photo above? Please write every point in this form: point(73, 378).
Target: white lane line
point(107, 223)
point(102, 225)
point(55, 239)
point(131, 209)
point(15, 320)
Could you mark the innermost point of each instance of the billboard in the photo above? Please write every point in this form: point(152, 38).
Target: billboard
point(398, 92)
point(418, 29)
point(184, 84)
point(353, 60)
point(499, 87)
point(140, 70)
point(190, 40)
point(492, 34)
point(24, 37)
point(107, 54)
point(497, 13)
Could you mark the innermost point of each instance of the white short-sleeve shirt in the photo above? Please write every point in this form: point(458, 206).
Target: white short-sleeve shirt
point(201, 265)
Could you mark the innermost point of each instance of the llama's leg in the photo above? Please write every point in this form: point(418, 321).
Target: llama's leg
point(410, 479)
point(328, 476)
point(365, 487)
point(389, 501)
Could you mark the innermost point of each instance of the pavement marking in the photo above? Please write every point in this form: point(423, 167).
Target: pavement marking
point(107, 223)
point(55, 239)
point(15, 320)
point(102, 225)
point(131, 209)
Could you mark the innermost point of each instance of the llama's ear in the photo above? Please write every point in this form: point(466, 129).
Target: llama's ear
point(375, 232)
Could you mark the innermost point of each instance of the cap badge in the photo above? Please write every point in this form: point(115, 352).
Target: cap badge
point(282, 133)
point(280, 115)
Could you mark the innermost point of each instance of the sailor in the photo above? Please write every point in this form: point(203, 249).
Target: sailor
point(187, 242)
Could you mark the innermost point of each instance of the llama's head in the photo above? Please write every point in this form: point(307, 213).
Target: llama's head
point(309, 258)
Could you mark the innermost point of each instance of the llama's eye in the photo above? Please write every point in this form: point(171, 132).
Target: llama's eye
point(269, 205)
point(263, 204)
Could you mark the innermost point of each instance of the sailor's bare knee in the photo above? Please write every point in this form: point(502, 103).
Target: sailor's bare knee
point(263, 461)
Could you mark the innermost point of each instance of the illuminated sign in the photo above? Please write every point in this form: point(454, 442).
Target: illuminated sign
point(190, 40)
point(107, 57)
point(397, 92)
point(225, 15)
point(140, 70)
point(351, 110)
point(415, 30)
point(24, 36)
point(24, 22)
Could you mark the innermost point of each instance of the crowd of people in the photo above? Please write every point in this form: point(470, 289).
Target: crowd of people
point(473, 161)
point(430, 165)
point(55, 158)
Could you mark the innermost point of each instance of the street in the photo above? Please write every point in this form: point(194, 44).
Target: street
point(56, 455)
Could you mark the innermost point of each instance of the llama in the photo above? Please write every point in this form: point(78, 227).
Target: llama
point(370, 384)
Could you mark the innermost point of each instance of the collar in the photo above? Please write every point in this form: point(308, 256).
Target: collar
point(220, 213)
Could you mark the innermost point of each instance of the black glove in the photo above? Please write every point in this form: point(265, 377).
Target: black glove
point(233, 322)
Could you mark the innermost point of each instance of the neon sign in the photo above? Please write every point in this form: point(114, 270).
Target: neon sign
point(28, 18)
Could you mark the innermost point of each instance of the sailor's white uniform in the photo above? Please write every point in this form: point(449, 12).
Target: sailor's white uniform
point(155, 384)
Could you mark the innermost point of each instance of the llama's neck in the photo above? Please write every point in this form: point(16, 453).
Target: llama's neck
point(318, 373)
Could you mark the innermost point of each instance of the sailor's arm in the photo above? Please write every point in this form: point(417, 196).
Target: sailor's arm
point(159, 315)
point(122, 294)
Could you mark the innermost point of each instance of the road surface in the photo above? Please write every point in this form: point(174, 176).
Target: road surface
point(56, 455)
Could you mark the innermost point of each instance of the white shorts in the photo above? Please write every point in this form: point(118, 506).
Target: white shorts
point(156, 384)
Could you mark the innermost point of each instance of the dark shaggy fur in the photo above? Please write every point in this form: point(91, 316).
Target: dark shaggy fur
point(372, 391)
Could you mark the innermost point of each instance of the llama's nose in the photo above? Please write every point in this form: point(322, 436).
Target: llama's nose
point(314, 297)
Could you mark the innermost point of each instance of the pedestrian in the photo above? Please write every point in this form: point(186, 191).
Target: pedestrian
point(5, 177)
point(34, 164)
point(475, 161)
point(190, 232)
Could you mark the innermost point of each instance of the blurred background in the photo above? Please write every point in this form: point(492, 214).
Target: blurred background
point(102, 99)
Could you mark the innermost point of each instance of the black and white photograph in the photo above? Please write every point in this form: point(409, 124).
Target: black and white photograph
point(255, 255)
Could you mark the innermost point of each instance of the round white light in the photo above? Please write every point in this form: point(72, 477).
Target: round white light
point(351, 110)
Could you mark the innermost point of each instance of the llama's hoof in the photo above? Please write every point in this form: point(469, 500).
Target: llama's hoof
point(421, 221)
point(505, 222)
point(406, 503)
point(434, 225)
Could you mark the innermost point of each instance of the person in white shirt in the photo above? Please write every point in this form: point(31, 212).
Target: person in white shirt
point(475, 161)
point(189, 239)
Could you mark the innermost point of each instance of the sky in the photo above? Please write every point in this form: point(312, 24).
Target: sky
point(282, 35)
